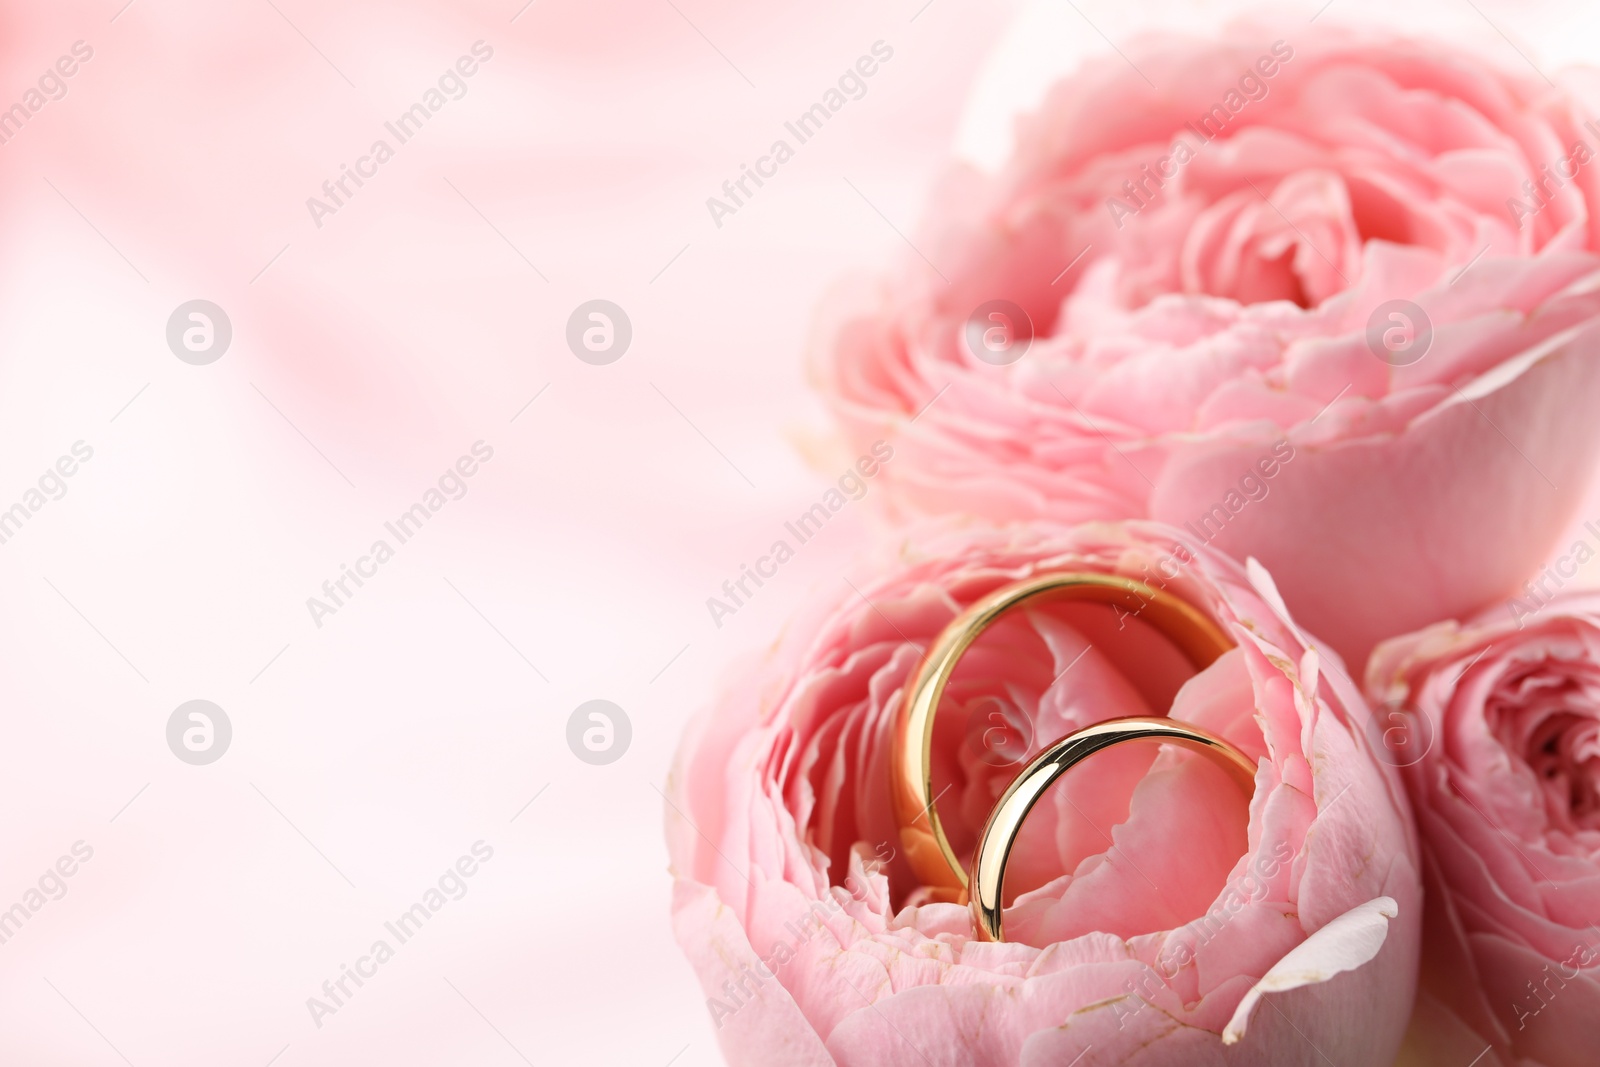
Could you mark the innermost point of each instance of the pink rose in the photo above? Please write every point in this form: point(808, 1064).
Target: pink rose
point(814, 946)
point(1206, 272)
point(1501, 718)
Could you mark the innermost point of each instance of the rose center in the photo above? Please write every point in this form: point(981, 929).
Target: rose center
point(1551, 719)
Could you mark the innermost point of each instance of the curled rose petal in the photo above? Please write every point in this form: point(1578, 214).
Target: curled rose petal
point(1155, 902)
point(1343, 945)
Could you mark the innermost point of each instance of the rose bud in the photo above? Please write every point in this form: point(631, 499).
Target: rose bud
point(1154, 908)
point(1497, 725)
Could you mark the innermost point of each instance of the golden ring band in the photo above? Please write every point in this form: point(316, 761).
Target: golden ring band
point(1005, 821)
point(927, 849)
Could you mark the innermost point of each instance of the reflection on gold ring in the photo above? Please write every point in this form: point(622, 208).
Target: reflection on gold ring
point(1000, 832)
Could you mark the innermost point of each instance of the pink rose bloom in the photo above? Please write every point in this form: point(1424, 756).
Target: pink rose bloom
point(1155, 907)
point(1501, 718)
point(1204, 264)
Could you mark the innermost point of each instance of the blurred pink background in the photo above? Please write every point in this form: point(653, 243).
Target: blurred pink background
point(367, 355)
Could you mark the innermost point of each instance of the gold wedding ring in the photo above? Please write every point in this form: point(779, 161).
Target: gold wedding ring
point(1000, 832)
point(926, 848)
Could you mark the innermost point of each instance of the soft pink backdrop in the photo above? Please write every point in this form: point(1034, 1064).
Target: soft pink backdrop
point(404, 329)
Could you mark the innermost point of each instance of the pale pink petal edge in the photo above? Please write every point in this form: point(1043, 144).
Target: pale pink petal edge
point(1342, 945)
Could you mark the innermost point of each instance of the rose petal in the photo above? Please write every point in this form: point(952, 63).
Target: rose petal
point(1344, 944)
